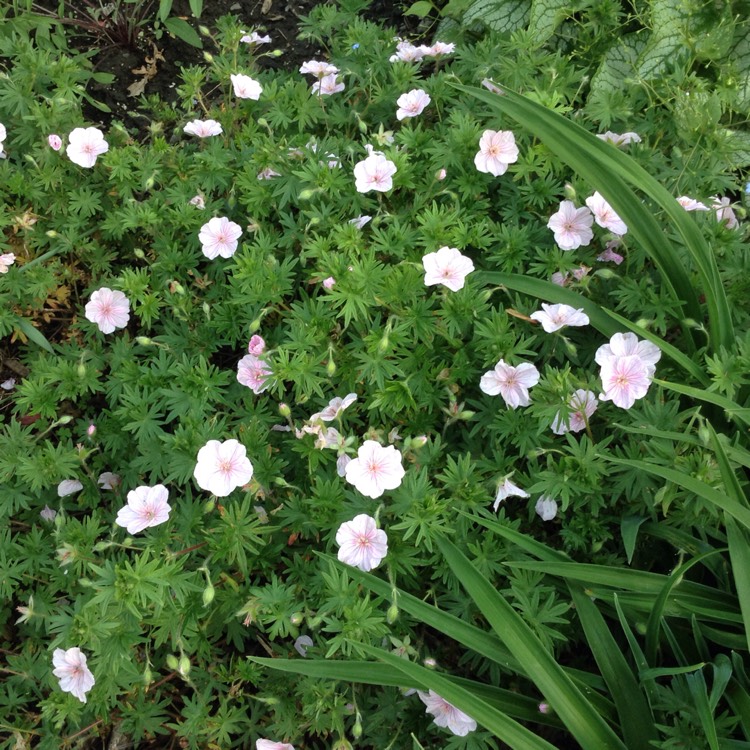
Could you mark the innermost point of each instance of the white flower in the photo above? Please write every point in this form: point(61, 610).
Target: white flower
point(582, 405)
point(546, 508)
point(245, 87)
point(605, 215)
point(48, 514)
point(219, 237)
point(412, 103)
point(222, 467)
point(446, 714)
point(625, 380)
point(360, 221)
point(6, 261)
point(147, 506)
point(255, 38)
point(254, 372)
point(108, 480)
point(335, 407)
point(328, 85)
point(71, 670)
point(9, 384)
point(318, 68)
point(438, 49)
point(269, 745)
point(374, 173)
point(407, 52)
point(690, 204)
point(447, 267)
point(375, 469)
point(302, 644)
point(507, 489)
point(68, 487)
point(3, 133)
point(512, 383)
point(555, 317)
point(361, 543)
point(724, 212)
point(108, 309)
point(268, 173)
point(84, 145)
point(497, 149)
point(198, 201)
point(571, 226)
point(625, 344)
point(203, 128)
point(620, 139)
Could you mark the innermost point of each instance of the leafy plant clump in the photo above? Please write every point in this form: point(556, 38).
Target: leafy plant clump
point(369, 379)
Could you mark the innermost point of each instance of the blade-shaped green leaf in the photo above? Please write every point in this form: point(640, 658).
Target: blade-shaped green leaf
point(739, 555)
point(697, 686)
point(731, 407)
point(577, 713)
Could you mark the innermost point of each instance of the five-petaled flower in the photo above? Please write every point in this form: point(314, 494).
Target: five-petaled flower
point(625, 380)
point(254, 372)
point(270, 745)
point(147, 506)
point(507, 489)
point(318, 68)
point(108, 309)
point(497, 149)
point(412, 103)
point(245, 87)
point(447, 267)
point(71, 670)
point(374, 173)
point(6, 261)
point(446, 714)
point(255, 38)
point(555, 317)
point(361, 543)
point(222, 467)
point(203, 128)
point(512, 383)
point(84, 145)
point(376, 469)
point(624, 344)
point(335, 407)
point(582, 405)
point(328, 85)
point(605, 216)
point(219, 237)
point(571, 226)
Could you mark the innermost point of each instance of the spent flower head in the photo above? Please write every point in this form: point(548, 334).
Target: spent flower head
point(71, 670)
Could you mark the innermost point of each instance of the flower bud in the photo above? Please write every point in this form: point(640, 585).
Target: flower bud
point(208, 594)
point(139, 253)
point(183, 666)
point(306, 194)
point(357, 729)
point(51, 233)
point(81, 370)
point(544, 708)
point(430, 663)
point(284, 410)
point(331, 368)
point(172, 662)
point(392, 614)
point(384, 344)
point(277, 53)
point(342, 744)
point(144, 341)
point(255, 325)
point(148, 676)
point(209, 507)
point(66, 419)
point(204, 30)
point(418, 442)
point(297, 618)
point(91, 430)
point(208, 57)
point(569, 192)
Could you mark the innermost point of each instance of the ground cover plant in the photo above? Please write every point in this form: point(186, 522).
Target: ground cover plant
point(393, 401)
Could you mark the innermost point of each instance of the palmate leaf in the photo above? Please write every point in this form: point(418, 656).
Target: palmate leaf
point(610, 172)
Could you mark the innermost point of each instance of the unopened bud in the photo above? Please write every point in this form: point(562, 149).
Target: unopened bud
point(52, 233)
point(306, 194)
point(139, 253)
point(544, 708)
point(206, 310)
point(150, 182)
point(430, 663)
point(148, 677)
point(277, 53)
point(284, 410)
point(144, 341)
point(569, 192)
point(67, 419)
point(466, 415)
point(362, 125)
point(419, 441)
point(209, 506)
point(357, 729)
point(176, 288)
point(392, 614)
point(297, 618)
point(183, 666)
point(172, 662)
point(208, 595)
point(81, 370)
point(384, 344)
point(204, 30)
point(331, 368)
point(208, 57)
point(91, 430)
point(255, 325)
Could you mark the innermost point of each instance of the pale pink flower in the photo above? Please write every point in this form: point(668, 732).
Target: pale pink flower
point(412, 103)
point(360, 221)
point(361, 543)
point(625, 380)
point(256, 346)
point(147, 506)
point(48, 514)
point(626, 344)
point(269, 745)
point(446, 714)
point(724, 212)
point(91, 430)
point(581, 272)
point(497, 149)
point(55, 142)
point(71, 670)
point(3, 134)
point(329, 437)
point(108, 480)
point(6, 261)
point(440, 175)
point(68, 487)
point(546, 508)
point(571, 226)
point(203, 128)
point(555, 317)
point(559, 278)
point(84, 145)
point(268, 173)
point(375, 469)
point(198, 201)
point(609, 254)
point(407, 52)
point(512, 383)
point(582, 405)
point(507, 489)
point(108, 309)
point(341, 463)
point(438, 49)
point(447, 267)
point(374, 173)
point(219, 237)
point(328, 283)
point(318, 68)
point(605, 216)
point(246, 87)
point(335, 407)
point(328, 85)
point(253, 372)
point(620, 139)
point(690, 204)
point(255, 38)
point(222, 467)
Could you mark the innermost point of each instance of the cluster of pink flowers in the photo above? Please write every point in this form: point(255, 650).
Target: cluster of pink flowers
point(327, 82)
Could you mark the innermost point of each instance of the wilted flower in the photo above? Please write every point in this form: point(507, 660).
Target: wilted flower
point(108, 309)
point(440, 175)
point(9, 384)
point(546, 508)
point(724, 212)
point(374, 173)
point(507, 489)
point(328, 85)
point(412, 103)
point(341, 463)
point(198, 201)
point(375, 469)
point(84, 145)
point(328, 283)
point(302, 644)
point(512, 383)
point(690, 204)
point(555, 317)
point(254, 373)
point(571, 226)
point(108, 480)
point(446, 714)
point(582, 405)
point(222, 467)
point(268, 173)
point(559, 278)
point(68, 487)
point(203, 128)
point(609, 254)
point(255, 38)
point(497, 149)
point(71, 670)
point(620, 139)
point(6, 261)
point(447, 267)
point(335, 407)
point(55, 142)
point(360, 221)
point(256, 346)
point(605, 216)
point(318, 68)
point(246, 87)
point(361, 543)
point(47, 513)
point(219, 237)
point(147, 506)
